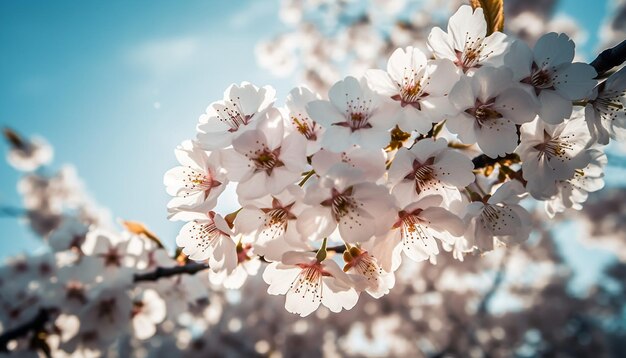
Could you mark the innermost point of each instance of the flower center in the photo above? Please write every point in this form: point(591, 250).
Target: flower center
point(422, 174)
point(198, 181)
point(357, 114)
point(472, 54)
point(610, 105)
point(267, 160)
point(554, 147)
point(233, 116)
point(484, 112)
point(205, 235)
point(305, 128)
point(341, 203)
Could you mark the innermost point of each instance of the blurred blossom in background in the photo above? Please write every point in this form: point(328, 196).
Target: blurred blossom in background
point(114, 86)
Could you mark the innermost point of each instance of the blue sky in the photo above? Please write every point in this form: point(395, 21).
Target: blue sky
point(90, 75)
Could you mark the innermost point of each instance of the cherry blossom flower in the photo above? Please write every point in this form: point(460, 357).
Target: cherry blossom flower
point(299, 121)
point(429, 167)
point(74, 283)
point(196, 183)
point(606, 111)
point(371, 163)
point(344, 199)
point(70, 234)
point(551, 153)
point(248, 264)
point(414, 232)
point(419, 88)
point(308, 282)
point(106, 313)
point(367, 273)
point(238, 112)
point(353, 115)
point(571, 193)
point(270, 222)
point(489, 110)
point(466, 43)
point(549, 74)
point(499, 220)
point(27, 154)
point(263, 160)
point(111, 250)
point(208, 236)
point(148, 310)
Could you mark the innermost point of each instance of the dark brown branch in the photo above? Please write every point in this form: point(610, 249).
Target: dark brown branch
point(610, 58)
point(160, 272)
point(36, 324)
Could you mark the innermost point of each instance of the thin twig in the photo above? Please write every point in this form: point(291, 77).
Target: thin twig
point(36, 324)
point(43, 316)
point(161, 272)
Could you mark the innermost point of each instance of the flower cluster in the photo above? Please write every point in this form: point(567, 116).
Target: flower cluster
point(324, 38)
point(434, 153)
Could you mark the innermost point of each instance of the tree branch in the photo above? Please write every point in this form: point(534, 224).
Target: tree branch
point(160, 272)
point(36, 324)
point(610, 58)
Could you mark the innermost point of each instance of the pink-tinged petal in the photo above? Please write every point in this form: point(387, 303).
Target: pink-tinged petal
point(464, 126)
point(238, 167)
point(454, 169)
point(213, 140)
point(441, 219)
point(489, 82)
point(336, 297)
point(462, 94)
point(249, 220)
point(387, 250)
point(255, 187)
point(410, 119)
point(280, 179)
point(380, 82)
point(316, 223)
point(504, 221)
point(324, 113)
point(337, 139)
point(554, 108)
point(553, 49)
point(467, 25)
point(293, 152)
point(370, 138)
point(304, 302)
point(509, 192)
point(428, 148)
point(445, 71)
point(401, 166)
point(357, 226)
point(441, 44)
point(272, 127)
point(517, 105)
point(401, 63)
point(323, 160)
point(279, 280)
point(575, 81)
point(498, 138)
point(519, 58)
